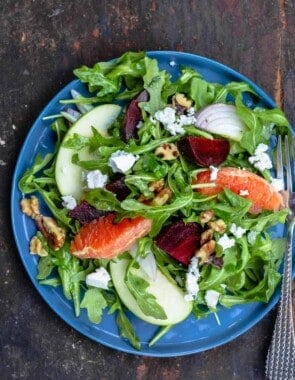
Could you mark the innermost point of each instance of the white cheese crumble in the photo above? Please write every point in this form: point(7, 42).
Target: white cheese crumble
point(237, 231)
point(172, 63)
point(243, 193)
point(99, 278)
point(225, 242)
point(278, 184)
point(261, 159)
point(213, 172)
point(191, 282)
point(251, 237)
point(191, 112)
point(121, 161)
point(69, 202)
point(96, 180)
point(211, 298)
point(172, 123)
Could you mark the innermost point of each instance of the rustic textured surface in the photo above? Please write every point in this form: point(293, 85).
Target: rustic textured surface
point(40, 43)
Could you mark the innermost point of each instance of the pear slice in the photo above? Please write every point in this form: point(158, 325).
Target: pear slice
point(68, 176)
point(167, 294)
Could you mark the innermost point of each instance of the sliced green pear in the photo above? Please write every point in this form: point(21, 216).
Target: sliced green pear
point(167, 294)
point(68, 175)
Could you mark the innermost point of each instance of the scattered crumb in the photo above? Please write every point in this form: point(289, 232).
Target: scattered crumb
point(2, 142)
point(14, 127)
point(2, 163)
point(172, 63)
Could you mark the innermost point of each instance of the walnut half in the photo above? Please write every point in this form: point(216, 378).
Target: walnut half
point(53, 233)
point(205, 252)
point(167, 151)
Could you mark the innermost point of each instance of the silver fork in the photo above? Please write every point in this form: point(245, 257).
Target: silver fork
point(280, 363)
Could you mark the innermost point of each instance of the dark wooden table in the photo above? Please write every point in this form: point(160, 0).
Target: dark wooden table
point(41, 42)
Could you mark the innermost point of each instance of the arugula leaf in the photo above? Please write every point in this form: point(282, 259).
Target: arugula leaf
point(231, 207)
point(198, 89)
point(126, 330)
point(154, 81)
point(76, 142)
point(146, 302)
point(152, 211)
point(103, 199)
point(94, 302)
point(106, 79)
point(161, 332)
point(45, 267)
point(27, 182)
point(264, 220)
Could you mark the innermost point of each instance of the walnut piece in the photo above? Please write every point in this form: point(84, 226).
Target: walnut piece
point(54, 235)
point(206, 216)
point(180, 100)
point(162, 197)
point(206, 250)
point(36, 247)
point(157, 186)
point(30, 206)
point(167, 151)
point(206, 235)
point(218, 226)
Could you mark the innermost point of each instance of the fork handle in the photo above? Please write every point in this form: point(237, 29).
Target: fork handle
point(280, 364)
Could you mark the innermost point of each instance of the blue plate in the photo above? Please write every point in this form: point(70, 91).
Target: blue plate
point(191, 336)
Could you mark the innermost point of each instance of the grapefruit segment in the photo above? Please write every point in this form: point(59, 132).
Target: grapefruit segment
point(263, 195)
point(104, 239)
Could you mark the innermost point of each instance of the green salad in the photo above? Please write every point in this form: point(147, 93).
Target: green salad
point(162, 196)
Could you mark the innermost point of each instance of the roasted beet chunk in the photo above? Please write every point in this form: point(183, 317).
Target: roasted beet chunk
point(180, 240)
point(119, 188)
point(204, 152)
point(133, 117)
point(85, 213)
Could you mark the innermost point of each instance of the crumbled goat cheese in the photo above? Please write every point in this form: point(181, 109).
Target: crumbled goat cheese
point(166, 115)
point(244, 192)
point(186, 119)
point(237, 231)
point(251, 237)
point(211, 298)
point(191, 281)
point(172, 124)
point(278, 183)
point(99, 278)
point(214, 172)
point(69, 202)
point(261, 148)
point(121, 161)
point(172, 63)
point(191, 112)
point(96, 180)
point(261, 159)
point(226, 242)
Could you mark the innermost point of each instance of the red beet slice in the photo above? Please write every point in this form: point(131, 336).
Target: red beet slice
point(133, 117)
point(204, 152)
point(85, 213)
point(180, 240)
point(119, 188)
